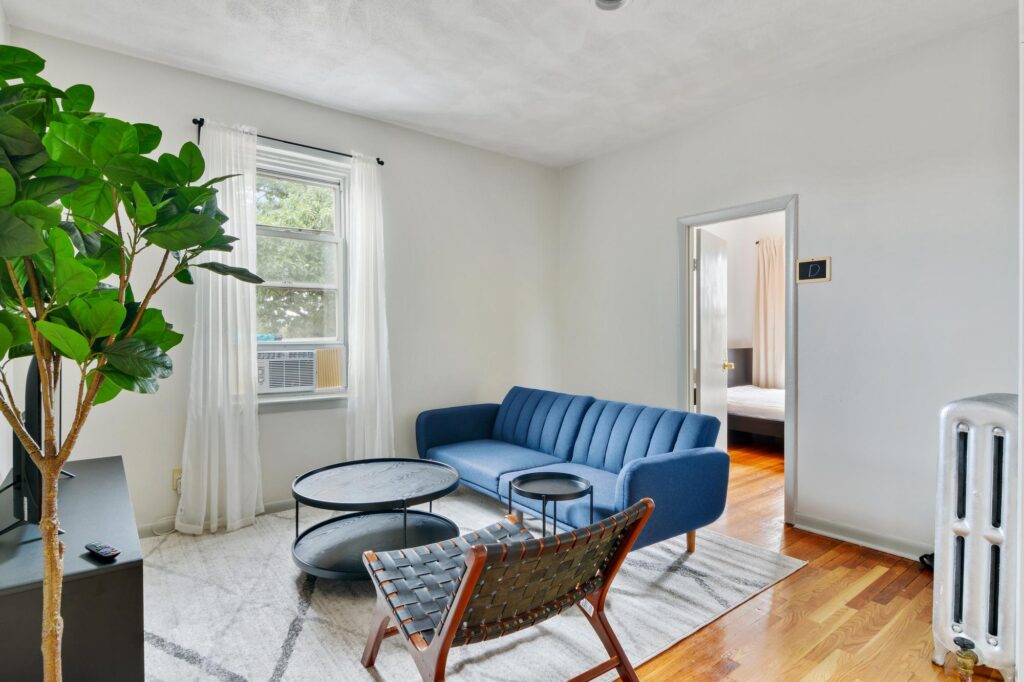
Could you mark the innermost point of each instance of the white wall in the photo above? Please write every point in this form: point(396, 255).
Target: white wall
point(470, 263)
point(741, 237)
point(906, 171)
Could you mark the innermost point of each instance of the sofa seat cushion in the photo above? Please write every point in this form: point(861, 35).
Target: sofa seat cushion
point(571, 513)
point(482, 462)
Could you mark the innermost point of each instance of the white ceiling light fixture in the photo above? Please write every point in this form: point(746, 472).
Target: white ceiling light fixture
point(611, 4)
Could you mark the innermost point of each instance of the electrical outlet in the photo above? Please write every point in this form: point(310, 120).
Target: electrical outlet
point(176, 480)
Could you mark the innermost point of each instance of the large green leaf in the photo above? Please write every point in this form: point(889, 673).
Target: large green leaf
point(115, 137)
point(129, 383)
point(170, 339)
point(78, 98)
point(184, 231)
point(149, 137)
point(71, 278)
point(49, 189)
point(26, 164)
point(220, 242)
point(16, 138)
point(139, 359)
point(17, 62)
point(17, 326)
point(68, 342)
point(152, 326)
point(18, 238)
point(230, 270)
point(155, 330)
point(108, 389)
point(174, 168)
point(7, 188)
point(127, 168)
point(93, 201)
point(184, 276)
point(145, 213)
point(98, 317)
point(30, 112)
point(6, 341)
point(13, 285)
point(68, 144)
point(36, 214)
point(193, 160)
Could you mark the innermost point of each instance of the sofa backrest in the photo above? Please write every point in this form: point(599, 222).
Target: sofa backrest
point(541, 420)
point(613, 434)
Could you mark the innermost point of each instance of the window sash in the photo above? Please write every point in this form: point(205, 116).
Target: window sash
point(336, 237)
point(297, 230)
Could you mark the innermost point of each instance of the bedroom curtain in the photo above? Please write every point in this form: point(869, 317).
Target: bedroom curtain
point(370, 429)
point(770, 315)
point(221, 484)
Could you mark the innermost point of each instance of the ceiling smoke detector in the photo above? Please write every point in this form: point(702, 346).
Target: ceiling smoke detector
point(611, 4)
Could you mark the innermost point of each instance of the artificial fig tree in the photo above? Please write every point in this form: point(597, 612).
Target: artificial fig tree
point(82, 198)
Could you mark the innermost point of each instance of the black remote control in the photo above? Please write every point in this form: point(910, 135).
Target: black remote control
point(102, 551)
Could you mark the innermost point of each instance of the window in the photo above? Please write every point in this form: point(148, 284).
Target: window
point(300, 247)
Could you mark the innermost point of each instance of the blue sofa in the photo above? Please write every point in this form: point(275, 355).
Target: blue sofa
point(626, 451)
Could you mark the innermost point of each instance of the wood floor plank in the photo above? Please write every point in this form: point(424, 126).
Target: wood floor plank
point(852, 613)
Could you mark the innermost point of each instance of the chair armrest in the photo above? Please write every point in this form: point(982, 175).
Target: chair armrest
point(688, 488)
point(454, 425)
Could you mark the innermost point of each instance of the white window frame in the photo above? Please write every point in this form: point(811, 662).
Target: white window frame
point(287, 162)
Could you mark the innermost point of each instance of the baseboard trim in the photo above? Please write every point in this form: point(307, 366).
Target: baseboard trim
point(278, 506)
point(883, 543)
point(166, 524)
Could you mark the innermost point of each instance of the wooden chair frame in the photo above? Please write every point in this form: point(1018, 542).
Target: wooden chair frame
point(431, 658)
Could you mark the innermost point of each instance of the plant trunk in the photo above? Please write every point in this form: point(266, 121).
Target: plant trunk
point(53, 575)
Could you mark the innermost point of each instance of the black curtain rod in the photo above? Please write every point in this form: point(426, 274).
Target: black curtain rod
point(200, 122)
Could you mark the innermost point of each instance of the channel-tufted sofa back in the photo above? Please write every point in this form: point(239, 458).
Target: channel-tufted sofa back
point(613, 434)
point(541, 420)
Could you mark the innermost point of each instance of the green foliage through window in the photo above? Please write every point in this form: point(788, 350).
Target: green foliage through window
point(298, 244)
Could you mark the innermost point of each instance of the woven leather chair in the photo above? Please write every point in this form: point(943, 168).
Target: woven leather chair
point(496, 581)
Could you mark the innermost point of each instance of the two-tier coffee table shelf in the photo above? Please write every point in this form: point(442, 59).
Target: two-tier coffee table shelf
point(379, 492)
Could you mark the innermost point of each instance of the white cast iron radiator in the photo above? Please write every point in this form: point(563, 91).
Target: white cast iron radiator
point(975, 531)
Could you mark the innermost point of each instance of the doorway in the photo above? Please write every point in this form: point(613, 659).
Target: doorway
point(739, 340)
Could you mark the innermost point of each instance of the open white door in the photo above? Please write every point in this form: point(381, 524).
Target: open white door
point(712, 355)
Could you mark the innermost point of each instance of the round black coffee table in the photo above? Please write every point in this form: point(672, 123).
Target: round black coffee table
point(550, 486)
point(380, 492)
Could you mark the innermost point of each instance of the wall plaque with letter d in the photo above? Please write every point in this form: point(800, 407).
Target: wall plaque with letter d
point(814, 269)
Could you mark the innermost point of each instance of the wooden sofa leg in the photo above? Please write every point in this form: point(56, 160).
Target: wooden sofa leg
point(378, 631)
point(691, 541)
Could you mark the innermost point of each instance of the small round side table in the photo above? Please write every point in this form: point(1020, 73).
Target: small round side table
point(550, 486)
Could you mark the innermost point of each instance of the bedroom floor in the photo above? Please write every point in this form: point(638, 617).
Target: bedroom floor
point(851, 614)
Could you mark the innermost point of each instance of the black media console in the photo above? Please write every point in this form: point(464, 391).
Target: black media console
point(103, 629)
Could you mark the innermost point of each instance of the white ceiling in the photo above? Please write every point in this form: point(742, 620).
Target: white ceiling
point(553, 81)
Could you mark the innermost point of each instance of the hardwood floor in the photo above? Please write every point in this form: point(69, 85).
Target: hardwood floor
point(851, 614)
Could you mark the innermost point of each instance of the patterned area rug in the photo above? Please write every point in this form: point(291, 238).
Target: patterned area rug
point(234, 607)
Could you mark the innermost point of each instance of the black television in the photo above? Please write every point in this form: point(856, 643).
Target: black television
point(26, 479)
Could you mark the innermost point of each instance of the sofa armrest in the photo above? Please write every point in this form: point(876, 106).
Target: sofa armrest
point(688, 488)
point(454, 425)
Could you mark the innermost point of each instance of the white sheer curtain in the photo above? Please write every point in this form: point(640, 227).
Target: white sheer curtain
point(370, 427)
point(770, 315)
point(221, 483)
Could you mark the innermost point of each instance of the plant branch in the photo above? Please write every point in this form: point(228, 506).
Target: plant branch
point(153, 288)
point(11, 415)
point(9, 393)
point(38, 345)
point(48, 364)
point(122, 276)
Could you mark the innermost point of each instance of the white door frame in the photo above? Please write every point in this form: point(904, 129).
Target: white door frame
point(687, 225)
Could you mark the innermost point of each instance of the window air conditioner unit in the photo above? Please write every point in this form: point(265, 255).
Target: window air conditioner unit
point(292, 371)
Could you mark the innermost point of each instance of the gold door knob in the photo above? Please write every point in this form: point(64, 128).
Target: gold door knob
point(728, 365)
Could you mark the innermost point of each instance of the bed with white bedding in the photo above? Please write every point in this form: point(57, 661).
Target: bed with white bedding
point(752, 409)
point(754, 401)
